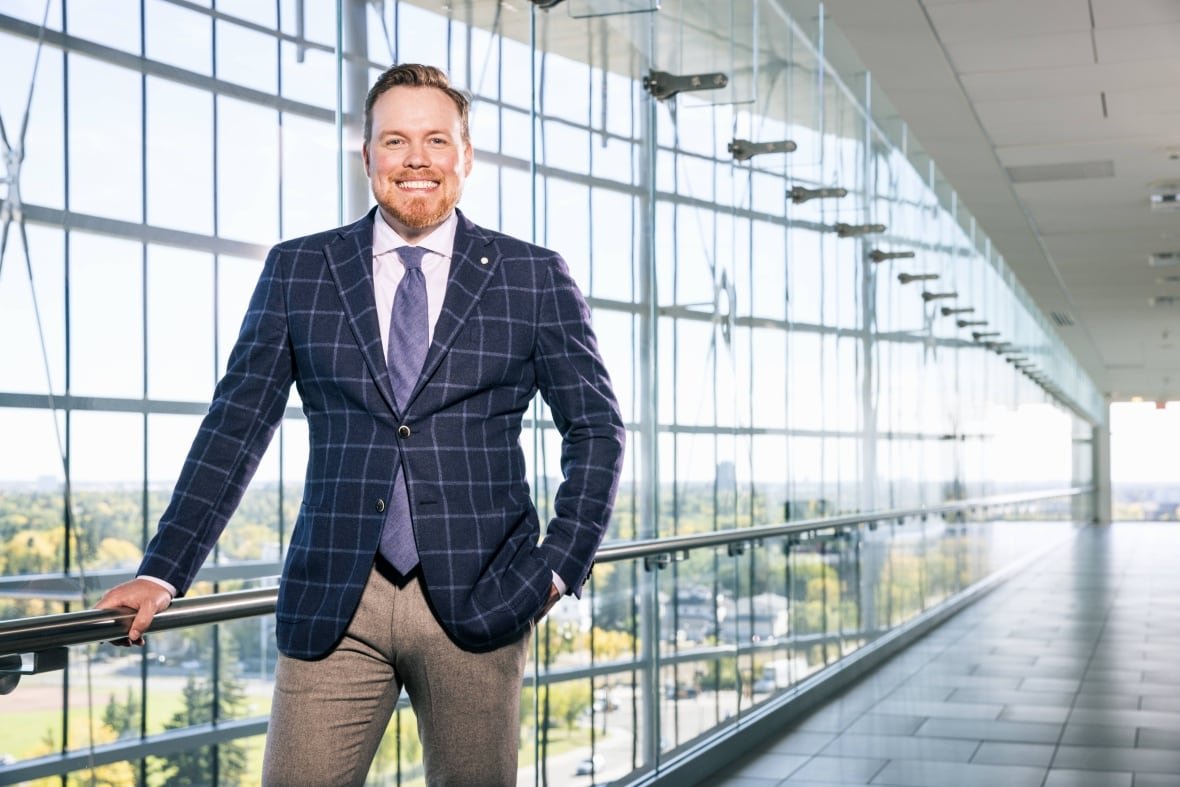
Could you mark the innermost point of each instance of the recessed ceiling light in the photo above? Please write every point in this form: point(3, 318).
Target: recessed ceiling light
point(1165, 197)
point(1164, 259)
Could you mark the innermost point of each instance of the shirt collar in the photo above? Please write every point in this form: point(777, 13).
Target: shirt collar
point(441, 241)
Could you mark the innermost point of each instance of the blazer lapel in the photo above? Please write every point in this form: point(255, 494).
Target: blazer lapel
point(350, 260)
point(472, 264)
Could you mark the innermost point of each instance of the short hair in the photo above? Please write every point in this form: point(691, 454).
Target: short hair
point(417, 75)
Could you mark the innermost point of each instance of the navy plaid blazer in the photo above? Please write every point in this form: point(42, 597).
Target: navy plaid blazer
point(512, 323)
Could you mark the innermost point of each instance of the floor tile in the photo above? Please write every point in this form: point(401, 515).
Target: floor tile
point(1061, 777)
point(1153, 780)
point(901, 747)
point(910, 773)
point(1038, 754)
point(857, 770)
point(1098, 735)
point(886, 724)
point(771, 765)
point(799, 742)
point(1158, 739)
point(1106, 758)
point(1034, 713)
point(1012, 731)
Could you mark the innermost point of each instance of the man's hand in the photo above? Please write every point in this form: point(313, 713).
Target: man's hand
point(554, 597)
point(142, 595)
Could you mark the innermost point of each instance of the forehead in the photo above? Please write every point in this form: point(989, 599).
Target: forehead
point(405, 108)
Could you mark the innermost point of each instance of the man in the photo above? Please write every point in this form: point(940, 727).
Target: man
point(414, 560)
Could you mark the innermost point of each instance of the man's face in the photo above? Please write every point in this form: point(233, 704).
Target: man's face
point(416, 158)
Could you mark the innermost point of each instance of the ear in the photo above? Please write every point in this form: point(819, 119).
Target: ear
point(468, 158)
point(365, 155)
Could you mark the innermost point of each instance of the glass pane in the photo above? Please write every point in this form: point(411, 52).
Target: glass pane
point(246, 57)
point(106, 326)
point(178, 36)
point(247, 171)
point(39, 320)
point(105, 137)
point(179, 157)
point(180, 324)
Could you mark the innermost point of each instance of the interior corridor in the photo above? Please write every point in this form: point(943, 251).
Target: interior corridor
point(1065, 676)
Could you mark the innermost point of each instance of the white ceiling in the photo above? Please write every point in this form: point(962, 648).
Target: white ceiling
point(987, 85)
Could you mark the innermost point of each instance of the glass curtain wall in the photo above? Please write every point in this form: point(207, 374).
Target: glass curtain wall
point(745, 245)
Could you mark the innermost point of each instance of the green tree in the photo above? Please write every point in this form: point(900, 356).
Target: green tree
point(123, 717)
point(198, 766)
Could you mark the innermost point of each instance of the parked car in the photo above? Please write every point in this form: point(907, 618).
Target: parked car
point(589, 766)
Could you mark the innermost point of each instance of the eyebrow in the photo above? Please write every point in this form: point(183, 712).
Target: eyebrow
point(395, 132)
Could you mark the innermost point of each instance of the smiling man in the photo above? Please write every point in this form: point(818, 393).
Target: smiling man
point(417, 341)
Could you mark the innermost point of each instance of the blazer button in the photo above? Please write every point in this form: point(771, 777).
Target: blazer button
point(379, 505)
point(403, 431)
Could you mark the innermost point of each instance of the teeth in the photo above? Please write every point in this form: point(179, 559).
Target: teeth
point(416, 184)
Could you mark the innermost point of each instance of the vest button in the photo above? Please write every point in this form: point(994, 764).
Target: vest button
point(379, 505)
point(403, 431)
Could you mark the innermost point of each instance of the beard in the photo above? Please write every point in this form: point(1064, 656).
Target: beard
point(418, 211)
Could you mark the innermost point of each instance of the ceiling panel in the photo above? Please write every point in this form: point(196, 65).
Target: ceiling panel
point(990, 21)
point(1123, 13)
point(1008, 54)
point(1090, 78)
point(1129, 44)
point(1034, 121)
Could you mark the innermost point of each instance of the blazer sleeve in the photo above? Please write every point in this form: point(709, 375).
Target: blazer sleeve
point(573, 380)
point(247, 406)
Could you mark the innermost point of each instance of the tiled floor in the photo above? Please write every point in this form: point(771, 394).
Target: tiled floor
point(1066, 676)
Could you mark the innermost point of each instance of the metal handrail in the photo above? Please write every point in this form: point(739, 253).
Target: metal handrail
point(30, 635)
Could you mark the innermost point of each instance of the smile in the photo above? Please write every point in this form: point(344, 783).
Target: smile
point(417, 185)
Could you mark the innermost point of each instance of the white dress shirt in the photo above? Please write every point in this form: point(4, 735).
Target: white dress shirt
point(388, 270)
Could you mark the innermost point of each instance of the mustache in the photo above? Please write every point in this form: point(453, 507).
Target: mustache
point(411, 174)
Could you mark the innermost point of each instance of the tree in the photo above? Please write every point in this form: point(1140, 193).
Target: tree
point(198, 766)
point(123, 717)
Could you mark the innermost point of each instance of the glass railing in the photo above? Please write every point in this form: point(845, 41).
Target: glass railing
point(677, 644)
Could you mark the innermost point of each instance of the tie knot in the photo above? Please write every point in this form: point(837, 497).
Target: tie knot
point(411, 256)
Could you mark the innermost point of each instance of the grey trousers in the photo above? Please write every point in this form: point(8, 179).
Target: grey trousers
point(329, 715)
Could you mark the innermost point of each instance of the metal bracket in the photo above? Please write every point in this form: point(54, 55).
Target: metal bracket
point(799, 195)
point(947, 311)
point(744, 149)
point(14, 665)
point(735, 548)
point(12, 208)
point(977, 335)
point(663, 85)
point(876, 255)
point(663, 560)
point(656, 562)
point(934, 296)
point(906, 278)
point(854, 230)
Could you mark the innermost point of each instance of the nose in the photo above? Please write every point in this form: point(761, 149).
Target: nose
point(417, 156)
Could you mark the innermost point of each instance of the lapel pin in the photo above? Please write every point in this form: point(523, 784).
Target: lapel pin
point(483, 260)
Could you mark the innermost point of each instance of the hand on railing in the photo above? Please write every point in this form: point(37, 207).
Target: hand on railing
point(142, 595)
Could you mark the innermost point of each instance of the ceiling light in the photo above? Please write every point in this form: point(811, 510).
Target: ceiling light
point(1164, 259)
point(1165, 197)
point(1164, 300)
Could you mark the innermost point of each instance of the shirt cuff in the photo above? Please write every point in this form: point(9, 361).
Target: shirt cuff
point(559, 584)
point(166, 585)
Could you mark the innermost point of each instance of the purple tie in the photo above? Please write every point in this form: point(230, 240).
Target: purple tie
point(409, 331)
